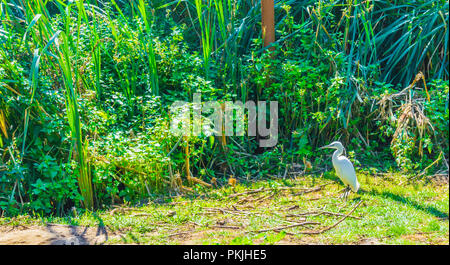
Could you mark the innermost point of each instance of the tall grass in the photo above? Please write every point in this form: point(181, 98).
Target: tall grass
point(206, 20)
point(385, 40)
point(65, 61)
point(414, 38)
point(61, 49)
point(147, 46)
point(44, 37)
point(95, 42)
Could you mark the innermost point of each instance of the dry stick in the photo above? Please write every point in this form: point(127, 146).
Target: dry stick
point(220, 210)
point(244, 212)
point(180, 202)
point(305, 190)
point(199, 181)
point(249, 199)
point(122, 210)
point(332, 226)
point(180, 233)
point(262, 198)
point(285, 227)
point(223, 211)
point(227, 211)
point(242, 200)
point(291, 208)
point(247, 192)
point(141, 214)
point(308, 191)
point(217, 226)
point(301, 188)
point(225, 226)
point(340, 214)
point(315, 213)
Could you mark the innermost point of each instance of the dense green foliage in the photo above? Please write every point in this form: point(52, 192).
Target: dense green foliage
point(85, 90)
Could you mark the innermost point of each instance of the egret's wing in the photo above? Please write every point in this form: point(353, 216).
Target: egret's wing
point(338, 169)
point(347, 172)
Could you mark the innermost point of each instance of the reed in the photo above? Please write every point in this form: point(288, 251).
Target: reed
point(65, 60)
point(206, 21)
point(147, 47)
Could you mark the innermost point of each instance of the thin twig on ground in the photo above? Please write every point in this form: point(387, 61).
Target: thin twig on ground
point(285, 227)
point(304, 190)
point(316, 213)
point(180, 233)
point(331, 226)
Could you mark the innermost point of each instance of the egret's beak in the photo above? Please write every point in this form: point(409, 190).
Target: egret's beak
point(326, 146)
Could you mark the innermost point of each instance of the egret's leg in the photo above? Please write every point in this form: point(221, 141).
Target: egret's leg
point(343, 196)
point(346, 192)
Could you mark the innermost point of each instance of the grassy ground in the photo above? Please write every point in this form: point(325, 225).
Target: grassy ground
point(388, 211)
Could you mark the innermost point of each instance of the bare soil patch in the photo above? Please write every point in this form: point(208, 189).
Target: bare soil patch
point(53, 234)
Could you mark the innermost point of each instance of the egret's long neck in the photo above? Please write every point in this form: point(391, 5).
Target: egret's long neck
point(338, 152)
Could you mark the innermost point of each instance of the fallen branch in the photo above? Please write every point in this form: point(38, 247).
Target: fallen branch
point(285, 227)
point(122, 210)
point(316, 213)
point(262, 198)
point(225, 226)
point(217, 226)
point(308, 191)
point(331, 226)
point(180, 233)
point(199, 181)
point(247, 192)
point(291, 208)
point(304, 190)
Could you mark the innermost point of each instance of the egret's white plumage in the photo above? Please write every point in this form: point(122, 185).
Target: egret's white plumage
point(344, 168)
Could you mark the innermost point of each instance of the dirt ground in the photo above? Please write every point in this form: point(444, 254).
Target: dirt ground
point(56, 234)
point(53, 234)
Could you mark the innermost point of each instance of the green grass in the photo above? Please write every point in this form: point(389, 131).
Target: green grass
point(392, 212)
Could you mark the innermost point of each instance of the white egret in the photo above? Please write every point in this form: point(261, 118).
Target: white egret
point(344, 168)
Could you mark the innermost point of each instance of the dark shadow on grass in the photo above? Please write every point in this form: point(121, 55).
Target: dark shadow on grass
point(78, 233)
point(428, 209)
point(77, 238)
point(101, 230)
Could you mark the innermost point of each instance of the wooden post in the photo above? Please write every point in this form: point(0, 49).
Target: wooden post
point(268, 21)
point(268, 34)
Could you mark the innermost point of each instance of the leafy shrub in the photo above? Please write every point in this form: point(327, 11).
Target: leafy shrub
point(417, 126)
